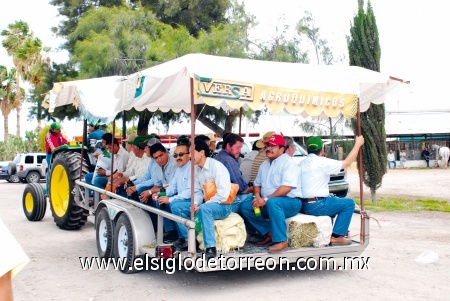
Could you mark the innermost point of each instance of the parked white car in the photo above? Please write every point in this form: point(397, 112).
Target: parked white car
point(29, 167)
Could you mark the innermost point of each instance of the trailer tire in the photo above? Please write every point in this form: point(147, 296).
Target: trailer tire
point(124, 247)
point(64, 171)
point(104, 233)
point(34, 202)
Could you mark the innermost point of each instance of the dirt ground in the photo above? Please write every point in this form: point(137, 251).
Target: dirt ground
point(54, 272)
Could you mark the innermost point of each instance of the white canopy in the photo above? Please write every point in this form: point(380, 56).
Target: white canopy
point(232, 83)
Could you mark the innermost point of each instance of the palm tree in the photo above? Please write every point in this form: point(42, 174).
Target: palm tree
point(7, 95)
point(25, 50)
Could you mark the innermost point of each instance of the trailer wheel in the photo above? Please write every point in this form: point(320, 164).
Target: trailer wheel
point(104, 233)
point(34, 202)
point(124, 244)
point(65, 170)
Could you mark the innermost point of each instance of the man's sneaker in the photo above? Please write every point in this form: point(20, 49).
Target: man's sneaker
point(340, 241)
point(180, 244)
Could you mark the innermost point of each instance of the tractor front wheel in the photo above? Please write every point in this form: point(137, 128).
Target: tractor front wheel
point(34, 202)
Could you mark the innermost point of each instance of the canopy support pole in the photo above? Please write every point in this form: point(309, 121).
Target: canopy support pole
point(192, 155)
point(82, 147)
point(240, 120)
point(112, 154)
point(360, 171)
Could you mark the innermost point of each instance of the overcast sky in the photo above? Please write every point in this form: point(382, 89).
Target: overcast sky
point(413, 38)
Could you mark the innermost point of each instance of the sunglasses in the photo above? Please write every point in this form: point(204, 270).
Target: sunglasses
point(179, 155)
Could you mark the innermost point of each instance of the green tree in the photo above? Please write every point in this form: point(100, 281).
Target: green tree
point(364, 51)
point(25, 51)
point(38, 108)
point(7, 96)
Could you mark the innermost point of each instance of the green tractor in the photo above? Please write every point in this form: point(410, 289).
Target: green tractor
point(69, 162)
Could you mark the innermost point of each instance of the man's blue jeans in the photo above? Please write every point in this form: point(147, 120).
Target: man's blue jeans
point(276, 210)
point(209, 212)
point(181, 208)
point(332, 206)
point(389, 164)
point(241, 198)
point(48, 158)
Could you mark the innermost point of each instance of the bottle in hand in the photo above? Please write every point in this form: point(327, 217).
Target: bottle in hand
point(162, 192)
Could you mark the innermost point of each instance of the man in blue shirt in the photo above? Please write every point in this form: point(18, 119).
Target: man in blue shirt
point(95, 132)
point(179, 193)
point(228, 156)
point(276, 189)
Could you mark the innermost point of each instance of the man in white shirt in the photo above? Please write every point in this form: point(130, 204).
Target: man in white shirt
point(391, 159)
point(136, 169)
point(209, 170)
point(315, 173)
point(276, 191)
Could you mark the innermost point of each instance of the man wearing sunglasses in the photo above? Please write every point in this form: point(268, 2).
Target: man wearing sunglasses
point(164, 172)
point(178, 194)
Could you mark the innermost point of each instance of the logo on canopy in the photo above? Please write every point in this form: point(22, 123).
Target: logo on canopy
point(296, 101)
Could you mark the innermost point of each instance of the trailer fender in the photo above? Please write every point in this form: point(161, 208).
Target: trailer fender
point(143, 232)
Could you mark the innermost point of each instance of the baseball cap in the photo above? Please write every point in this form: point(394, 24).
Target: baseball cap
point(151, 141)
point(139, 142)
point(314, 144)
point(213, 137)
point(131, 138)
point(260, 142)
point(276, 140)
point(55, 126)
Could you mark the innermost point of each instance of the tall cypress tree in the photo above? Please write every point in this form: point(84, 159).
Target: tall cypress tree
point(364, 51)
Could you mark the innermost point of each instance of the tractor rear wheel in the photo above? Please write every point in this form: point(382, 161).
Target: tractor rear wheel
point(34, 202)
point(65, 170)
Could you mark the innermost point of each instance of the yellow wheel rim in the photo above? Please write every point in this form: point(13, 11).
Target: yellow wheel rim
point(29, 202)
point(59, 190)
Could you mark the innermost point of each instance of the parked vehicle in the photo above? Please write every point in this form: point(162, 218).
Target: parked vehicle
point(28, 167)
point(4, 174)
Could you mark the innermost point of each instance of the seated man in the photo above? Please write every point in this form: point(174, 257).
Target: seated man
point(247, 161)
point(94, 131)
point(136, 169)
point(120, 156)
point(145, 183)
point(164, 171)
point(315, 173)
point(179, 193)
point(211, 171)
point(260, 157)
point(276, 191)
point(229, 156)
point(101, 163)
